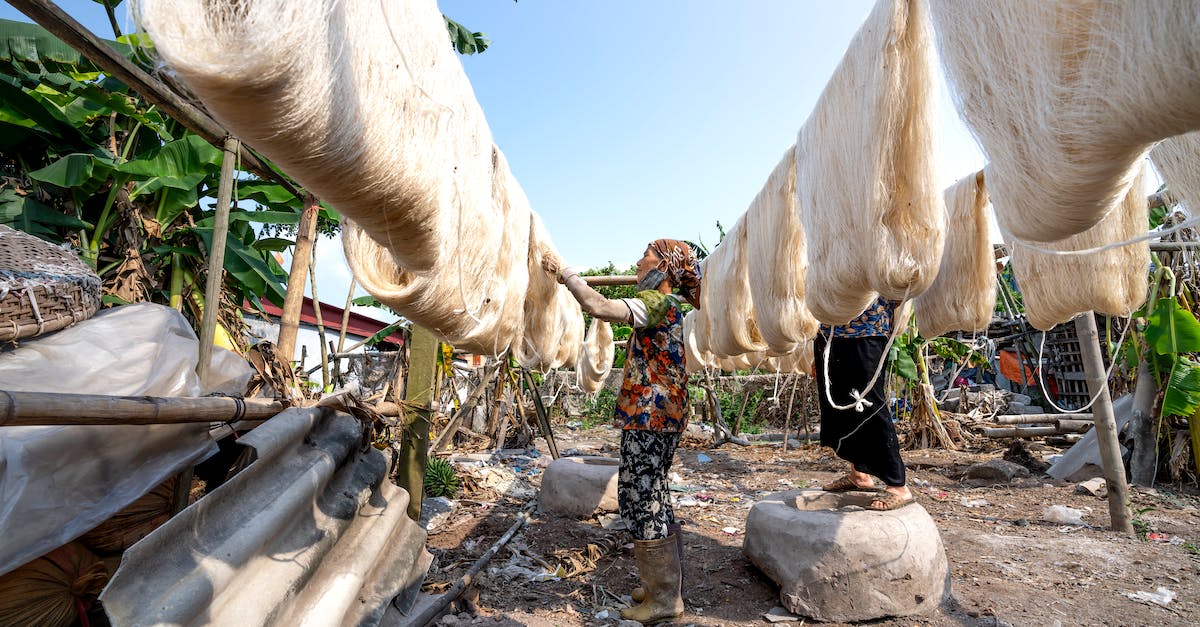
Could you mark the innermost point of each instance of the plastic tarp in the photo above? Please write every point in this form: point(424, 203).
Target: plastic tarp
point(310, 533)
point(57, 483)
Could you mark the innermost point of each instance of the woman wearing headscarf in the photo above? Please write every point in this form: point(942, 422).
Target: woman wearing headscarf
point(651, 412)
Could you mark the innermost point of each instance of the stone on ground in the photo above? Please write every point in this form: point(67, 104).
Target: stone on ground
point(579, 486)
point(835, 561)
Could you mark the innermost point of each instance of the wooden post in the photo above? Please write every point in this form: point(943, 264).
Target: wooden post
point(216, 261)
point(1106, 426)
point(418, 394)
point(293, 301)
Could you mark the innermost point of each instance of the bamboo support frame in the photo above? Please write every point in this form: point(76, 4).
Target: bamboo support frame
point(293, 300)
point(31, 409)
point(418, 395)
point(216, 261)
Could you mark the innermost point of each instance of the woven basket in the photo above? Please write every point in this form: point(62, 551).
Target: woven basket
point(43, 288)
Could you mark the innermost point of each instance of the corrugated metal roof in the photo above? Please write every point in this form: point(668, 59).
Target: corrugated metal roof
point(310, 533)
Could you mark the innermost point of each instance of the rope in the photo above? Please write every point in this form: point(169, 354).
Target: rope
point(1108, 374)
point(1157, 234)
point(858, 399)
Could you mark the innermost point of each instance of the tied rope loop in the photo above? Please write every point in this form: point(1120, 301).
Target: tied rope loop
point(858, 399)
point(1157, 234)
point(1041, 375)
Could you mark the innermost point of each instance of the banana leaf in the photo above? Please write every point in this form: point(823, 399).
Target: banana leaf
point(1172, 329)
point(1182, 395)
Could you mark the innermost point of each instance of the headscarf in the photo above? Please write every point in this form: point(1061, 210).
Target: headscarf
point(681, 267)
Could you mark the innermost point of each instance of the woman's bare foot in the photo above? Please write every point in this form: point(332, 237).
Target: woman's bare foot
point(852, 480)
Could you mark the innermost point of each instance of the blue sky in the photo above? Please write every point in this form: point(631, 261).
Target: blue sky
point(627, 120)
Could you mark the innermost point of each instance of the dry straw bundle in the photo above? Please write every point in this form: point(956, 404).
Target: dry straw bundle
point(778, 261)
point(963, 296)
point(871, 206)
point(1066, 97)
point(134, 522)
point(53, 589)
point(596, 357)
point(727, 300)
point(1178, 161)
point(1111, 282)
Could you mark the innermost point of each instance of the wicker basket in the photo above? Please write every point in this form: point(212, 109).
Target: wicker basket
point(43, 288)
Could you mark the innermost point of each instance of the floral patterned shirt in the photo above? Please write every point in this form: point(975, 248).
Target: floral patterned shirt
point(875, 321)
point(653, 394)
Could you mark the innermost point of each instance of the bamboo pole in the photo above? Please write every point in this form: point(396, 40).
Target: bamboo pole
point(216, 261)
point(435, 609)
point(293, 301)
point(52, 18)
point(30, 409)
point(418, 395)
point(1020, 432)
point(341, 345)
point(312, 277)
point(543, 417)
point(1106, 426)
point(1036, 419)
point(610, 280)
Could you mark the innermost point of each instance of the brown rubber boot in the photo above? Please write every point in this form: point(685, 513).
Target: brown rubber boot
point(658, 566)
point(672, 530)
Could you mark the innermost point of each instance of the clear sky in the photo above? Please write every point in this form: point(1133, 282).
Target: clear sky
point(629, 120)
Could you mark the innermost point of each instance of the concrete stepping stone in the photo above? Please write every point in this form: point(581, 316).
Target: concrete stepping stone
point(838, 562)
point(579, 486)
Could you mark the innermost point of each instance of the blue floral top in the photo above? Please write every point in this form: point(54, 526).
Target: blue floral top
point(653, 393)
point(875, 321)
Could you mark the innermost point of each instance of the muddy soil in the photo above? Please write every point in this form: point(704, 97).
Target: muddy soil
point(1008, 565)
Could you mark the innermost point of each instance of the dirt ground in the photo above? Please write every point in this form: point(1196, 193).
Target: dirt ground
point(1008, 565)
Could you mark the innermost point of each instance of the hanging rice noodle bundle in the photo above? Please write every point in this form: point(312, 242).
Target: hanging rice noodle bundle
point(553, 320)
point(1178, 161)
point(361, 101)
point(865, 183)
point(697, 357)
point(727, 300)
point(1112, 282)
point(570, 330)
point(1066, 97)
point(963, 295)
point(475, 297)
point(778, 261)
point(596, 357)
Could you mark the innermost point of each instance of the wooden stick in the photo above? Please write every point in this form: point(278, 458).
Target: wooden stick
point(610, 280)
point(216, 262)
point(543, 417)
point(1073, 426)
point(1020, 432)
point(431, 612)
point(312, 277)
point(52, 18)
point(1106, 425)
point(27, 409)
point(1035, 419)
point(447, 435)
point(293, 300)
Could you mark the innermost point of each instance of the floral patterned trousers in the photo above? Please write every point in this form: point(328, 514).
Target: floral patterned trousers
point(642, 492)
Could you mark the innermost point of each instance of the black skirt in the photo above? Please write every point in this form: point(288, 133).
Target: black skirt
point(866, 439)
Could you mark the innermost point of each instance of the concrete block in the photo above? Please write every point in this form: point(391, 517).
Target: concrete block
point(579, 486)
point(837, 562)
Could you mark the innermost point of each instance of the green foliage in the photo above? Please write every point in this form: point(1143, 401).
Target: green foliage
point(1172, 329)
point(87, 162)
point(440, 478)
point(464, 40)
point(600, 409)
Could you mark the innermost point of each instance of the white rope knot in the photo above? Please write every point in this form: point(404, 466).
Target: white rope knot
point(860, 401)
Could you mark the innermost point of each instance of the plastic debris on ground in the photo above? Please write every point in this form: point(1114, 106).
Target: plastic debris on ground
point(1161, 596)
point(701, 458)
point(1063, 515)
point(779, 614)
point(973, 502)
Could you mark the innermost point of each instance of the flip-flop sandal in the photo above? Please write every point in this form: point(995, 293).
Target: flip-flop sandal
point(846, 484)
point(889, 502)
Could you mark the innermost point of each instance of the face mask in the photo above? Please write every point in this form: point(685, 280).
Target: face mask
point(652, 280)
